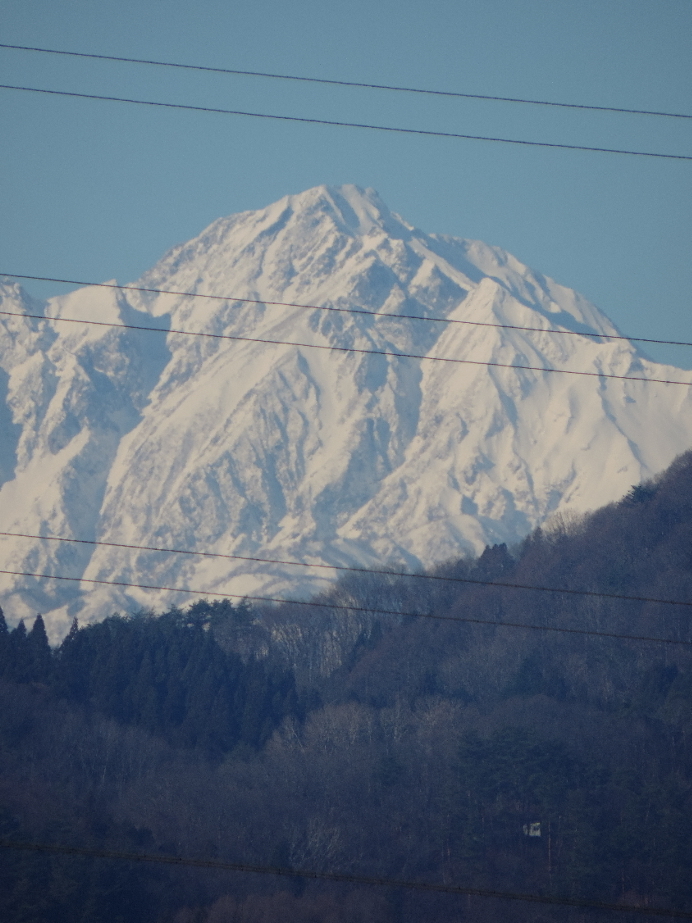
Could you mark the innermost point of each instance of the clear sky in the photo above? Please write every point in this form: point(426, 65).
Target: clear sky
point(96, 190)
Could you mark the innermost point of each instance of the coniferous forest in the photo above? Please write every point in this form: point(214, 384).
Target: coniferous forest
point(512, 740)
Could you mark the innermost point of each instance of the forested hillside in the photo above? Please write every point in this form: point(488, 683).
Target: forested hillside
point(488, 736)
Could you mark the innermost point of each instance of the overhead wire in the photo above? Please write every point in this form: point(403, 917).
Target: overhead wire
point(341, 877)
point(346, 83)
point(369, 610)
point(364, 311)
point(341, 124)
point(354, 570)
point(342, 349)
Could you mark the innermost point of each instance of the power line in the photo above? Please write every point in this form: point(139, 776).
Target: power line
point(367, 609)
point(342, 349)
point(317, 307)
point(353, 570)
point(348, 83)
point(339, 124)
point(342, 877)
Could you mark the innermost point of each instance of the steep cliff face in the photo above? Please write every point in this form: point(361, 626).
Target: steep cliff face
point(343, 454)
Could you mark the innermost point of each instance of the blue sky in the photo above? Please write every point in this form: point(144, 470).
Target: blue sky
point(94, 190)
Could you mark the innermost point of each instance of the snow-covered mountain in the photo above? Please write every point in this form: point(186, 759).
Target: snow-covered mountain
point(245, 447)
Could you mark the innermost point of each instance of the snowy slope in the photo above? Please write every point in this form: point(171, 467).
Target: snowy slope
point(296, 453)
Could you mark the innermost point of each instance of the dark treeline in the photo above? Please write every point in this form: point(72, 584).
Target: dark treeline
point(484, 756)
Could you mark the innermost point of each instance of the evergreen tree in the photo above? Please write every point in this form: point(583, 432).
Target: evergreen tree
point(20, 655)
point(41, 660)
point(5, 658)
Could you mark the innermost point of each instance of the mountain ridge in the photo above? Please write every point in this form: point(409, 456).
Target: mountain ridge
point(309, 454)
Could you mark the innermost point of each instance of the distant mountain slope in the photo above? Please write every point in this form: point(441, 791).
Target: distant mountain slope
point(288, 452)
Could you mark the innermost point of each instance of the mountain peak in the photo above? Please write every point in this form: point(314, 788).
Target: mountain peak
point(359, 211)
point(351, 210)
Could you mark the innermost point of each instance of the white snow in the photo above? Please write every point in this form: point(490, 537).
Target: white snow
point(303, 454)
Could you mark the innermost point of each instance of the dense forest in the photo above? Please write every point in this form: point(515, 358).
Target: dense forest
point(494, 737)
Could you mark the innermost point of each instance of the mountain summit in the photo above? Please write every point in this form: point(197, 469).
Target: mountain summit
point(339, 455)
